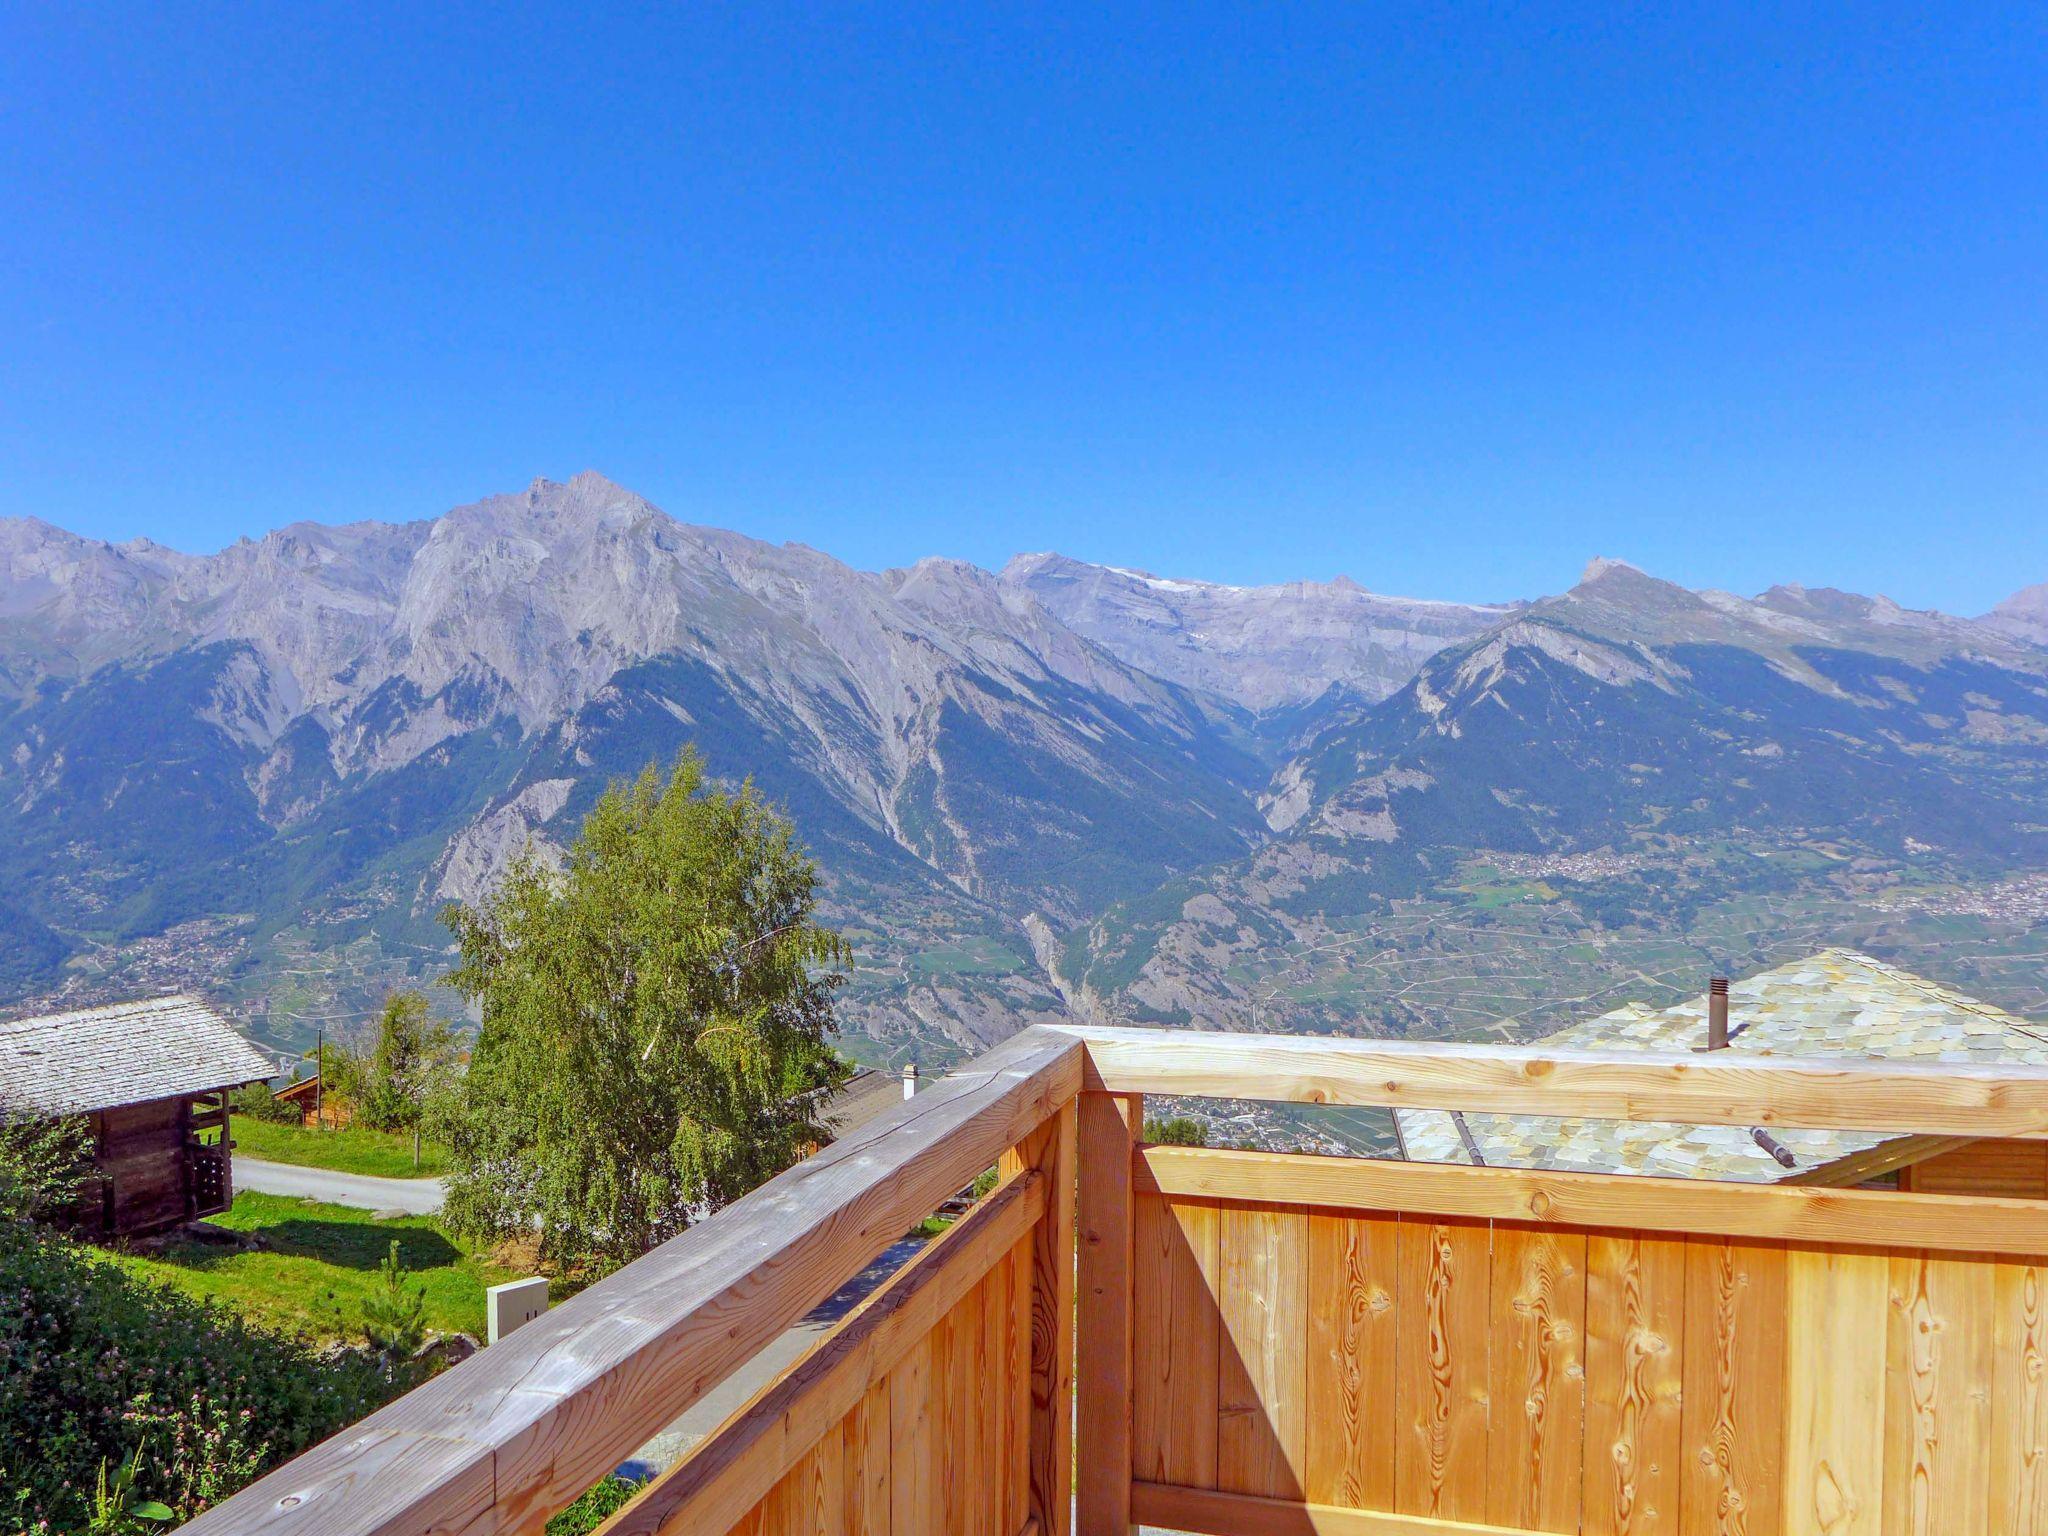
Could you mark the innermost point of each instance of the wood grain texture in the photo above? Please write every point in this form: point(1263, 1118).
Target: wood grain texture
point(1353, 1282)
point(866, 1436)
point(1237, 1514)
point(1718, 1088)
point(520, 1429)
point(1051, 1149)
point(2018, 1497)
point(1016, 1473)
point(1262, 1375)
point(949, 1492)
point(990, 1394)
point(1835, 1342)
point(1635, 1320)
point(1107, 1129)
point(1441, 1403)
point(1733, 1393)
point(827, 1502)
point(1538, 1392)
point(1678, 1206)
point(1937, 1410)
point(740, 1460)
point(1177, 1328)
point(2012, 1168)
point(913, 1460)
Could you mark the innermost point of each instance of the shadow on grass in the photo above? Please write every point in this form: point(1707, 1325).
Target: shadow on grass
point(345, 1244)
point(360, 1244)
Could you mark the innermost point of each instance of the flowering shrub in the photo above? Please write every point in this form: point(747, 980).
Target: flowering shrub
point(95, 1364)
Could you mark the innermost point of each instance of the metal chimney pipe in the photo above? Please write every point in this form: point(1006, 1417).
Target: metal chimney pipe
point(1717, 1014)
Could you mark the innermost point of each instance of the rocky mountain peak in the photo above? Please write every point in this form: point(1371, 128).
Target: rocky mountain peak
point(1263, 648)
point(2023, 616)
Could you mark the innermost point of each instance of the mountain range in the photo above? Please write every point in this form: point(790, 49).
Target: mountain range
point(1058, 787)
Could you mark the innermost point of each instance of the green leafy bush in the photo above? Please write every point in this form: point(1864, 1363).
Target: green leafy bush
point(259, 1102)
point(598, 1503)
point(96, 1366)
point(42, 1163)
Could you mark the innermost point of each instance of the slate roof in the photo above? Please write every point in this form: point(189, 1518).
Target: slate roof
point(1835, 1003)
point(126, 1053)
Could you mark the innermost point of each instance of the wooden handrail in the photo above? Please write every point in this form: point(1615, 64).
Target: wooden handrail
point(1700, 1088)
point(732, 1471)
point(504, 1440)
point(501, 1442)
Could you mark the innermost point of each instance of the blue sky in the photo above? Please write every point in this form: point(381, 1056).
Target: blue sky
point(1448, 299)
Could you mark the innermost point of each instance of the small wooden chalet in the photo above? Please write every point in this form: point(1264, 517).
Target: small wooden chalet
point(150, 1077)
point(316, 1108)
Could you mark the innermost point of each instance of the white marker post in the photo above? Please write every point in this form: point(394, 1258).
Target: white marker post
point(513, 1305)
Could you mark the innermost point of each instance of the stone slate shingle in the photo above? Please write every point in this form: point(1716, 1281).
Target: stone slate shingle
point(1836, 1003)
point(125, 1053)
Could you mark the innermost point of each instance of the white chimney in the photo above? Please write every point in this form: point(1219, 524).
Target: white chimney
point(910, 1081)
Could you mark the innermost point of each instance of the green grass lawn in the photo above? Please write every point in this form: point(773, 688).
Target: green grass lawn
point(351, 1149)
point(321, 1265)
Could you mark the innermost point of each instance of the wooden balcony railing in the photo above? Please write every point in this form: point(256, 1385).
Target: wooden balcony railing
point(1263, 1343)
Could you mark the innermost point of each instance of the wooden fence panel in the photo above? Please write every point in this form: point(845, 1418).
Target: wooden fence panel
point(934, 1449)
point(1635, 1320)
point(1369, 1373)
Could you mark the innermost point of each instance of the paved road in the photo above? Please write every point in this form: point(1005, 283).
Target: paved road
point(416, 1197)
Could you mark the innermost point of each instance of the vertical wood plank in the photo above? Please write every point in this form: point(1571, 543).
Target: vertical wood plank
point(950, 1493)
point(1441, 1404)
point(1175, 1350)
point(1937, 1440)
point(1537, 1430)
point(827, 1503)
point(867, 1463)
point(1835, 1337)
point(1051, 1150)
point(1734, 1377)
point(1635, 1318)
point(786, 1510)
point(991, 1389)
point(1107, 1132)
point(1262, 1376)
point(1017, 1392)
point(2019, 1398)
point(1352, 1292)
point(912, 1511)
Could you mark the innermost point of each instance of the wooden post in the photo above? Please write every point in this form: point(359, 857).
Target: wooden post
point(1051, 1150)
point(1110, 1125)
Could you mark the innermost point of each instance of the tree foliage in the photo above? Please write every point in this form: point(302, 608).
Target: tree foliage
point(412, 1062)
point(42, 1162)
point(395, 1316)
point(1179, 1131)
point(654, 1025)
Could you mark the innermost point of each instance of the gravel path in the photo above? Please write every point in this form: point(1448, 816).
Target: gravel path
point(415, 1197)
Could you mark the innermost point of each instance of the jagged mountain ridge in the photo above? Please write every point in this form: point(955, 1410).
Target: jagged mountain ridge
point(1628, 726)
point(381, 714)
point(1266, 649)
point(315, 737)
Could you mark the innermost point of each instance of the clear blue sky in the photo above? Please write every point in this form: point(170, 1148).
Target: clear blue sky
point(1447, 299)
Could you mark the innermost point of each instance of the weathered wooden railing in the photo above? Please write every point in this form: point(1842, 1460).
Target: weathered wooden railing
point(1269, 1343)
